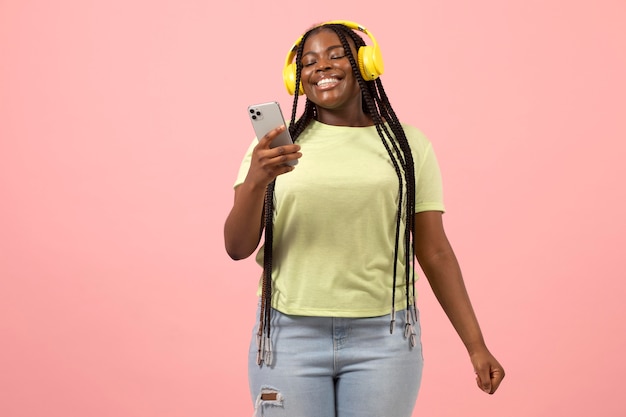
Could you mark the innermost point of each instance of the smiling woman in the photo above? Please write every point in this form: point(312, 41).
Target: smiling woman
point(338, 271)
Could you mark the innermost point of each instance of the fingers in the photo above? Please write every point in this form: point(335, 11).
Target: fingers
point(266, 140)
point(278, 155)
point(489, 372)
point(267, 163)
point(489, 378)
point(483, 379)
point(497, 375)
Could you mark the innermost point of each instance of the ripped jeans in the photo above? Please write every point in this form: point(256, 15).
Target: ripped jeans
point(336, 367)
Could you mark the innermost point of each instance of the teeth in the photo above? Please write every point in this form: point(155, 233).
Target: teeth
point(325, 81)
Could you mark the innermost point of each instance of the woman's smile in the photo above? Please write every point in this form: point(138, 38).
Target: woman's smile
point(327, 83)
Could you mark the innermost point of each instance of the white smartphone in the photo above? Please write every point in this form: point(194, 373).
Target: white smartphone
point(268, 116)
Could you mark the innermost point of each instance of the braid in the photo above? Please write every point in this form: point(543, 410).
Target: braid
point(410, 182)
point(264, 353)
point(375, 104)
point(295, 129)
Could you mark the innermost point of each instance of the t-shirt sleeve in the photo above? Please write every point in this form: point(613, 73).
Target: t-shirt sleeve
point(245, 164)
point(428, 183)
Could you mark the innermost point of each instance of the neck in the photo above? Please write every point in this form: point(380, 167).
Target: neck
point(343, 118)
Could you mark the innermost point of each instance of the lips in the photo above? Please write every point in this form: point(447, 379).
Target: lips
point(326, 83)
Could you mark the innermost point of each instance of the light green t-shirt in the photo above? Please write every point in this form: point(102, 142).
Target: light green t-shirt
point(334, 222)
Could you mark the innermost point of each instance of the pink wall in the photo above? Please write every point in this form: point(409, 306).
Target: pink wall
point(121, 128)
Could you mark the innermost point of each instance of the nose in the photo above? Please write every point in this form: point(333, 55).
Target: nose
point(322, 64)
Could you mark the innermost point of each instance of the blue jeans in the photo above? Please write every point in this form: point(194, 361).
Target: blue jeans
point(336, 367)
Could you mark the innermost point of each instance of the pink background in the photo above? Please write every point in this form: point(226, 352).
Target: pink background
point(122, 124)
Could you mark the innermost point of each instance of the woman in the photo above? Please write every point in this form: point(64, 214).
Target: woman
point(341, 229)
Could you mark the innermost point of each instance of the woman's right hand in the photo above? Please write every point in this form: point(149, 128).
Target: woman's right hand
point(243, 226)
point(268, 163)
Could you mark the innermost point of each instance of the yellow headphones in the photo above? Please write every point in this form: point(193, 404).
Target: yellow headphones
point(369, 58)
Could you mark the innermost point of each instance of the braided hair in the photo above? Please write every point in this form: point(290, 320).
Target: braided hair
point(375, 104)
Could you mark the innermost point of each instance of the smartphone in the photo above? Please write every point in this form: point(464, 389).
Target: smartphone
point(268, 116)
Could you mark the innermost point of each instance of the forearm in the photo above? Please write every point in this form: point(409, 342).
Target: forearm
point(444, 276)
point(243, 226)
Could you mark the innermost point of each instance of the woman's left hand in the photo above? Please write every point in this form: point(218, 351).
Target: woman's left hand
point(489, 372)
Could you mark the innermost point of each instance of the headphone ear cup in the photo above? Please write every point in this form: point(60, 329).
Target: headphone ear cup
point(370, 62)
point(289, 77)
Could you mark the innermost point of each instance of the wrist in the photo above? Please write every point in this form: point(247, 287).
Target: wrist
point(476, 347)
point(253, 188)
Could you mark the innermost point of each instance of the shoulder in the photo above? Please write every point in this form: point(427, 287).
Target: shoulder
point(414, 134)
point(418, 141)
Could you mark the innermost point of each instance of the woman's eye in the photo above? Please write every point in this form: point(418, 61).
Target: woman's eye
point(337, 57)
point(308, 64)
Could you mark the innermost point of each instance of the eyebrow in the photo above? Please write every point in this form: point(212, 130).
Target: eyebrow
point(330, 48)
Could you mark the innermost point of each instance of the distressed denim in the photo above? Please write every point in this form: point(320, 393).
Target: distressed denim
point(336, 367)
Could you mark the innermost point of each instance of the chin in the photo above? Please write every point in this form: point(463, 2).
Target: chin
point(328, 99)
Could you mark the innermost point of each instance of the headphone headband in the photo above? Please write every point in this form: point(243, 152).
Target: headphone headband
point(369, 57)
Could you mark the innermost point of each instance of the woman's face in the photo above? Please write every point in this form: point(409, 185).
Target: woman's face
point(327, 77)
